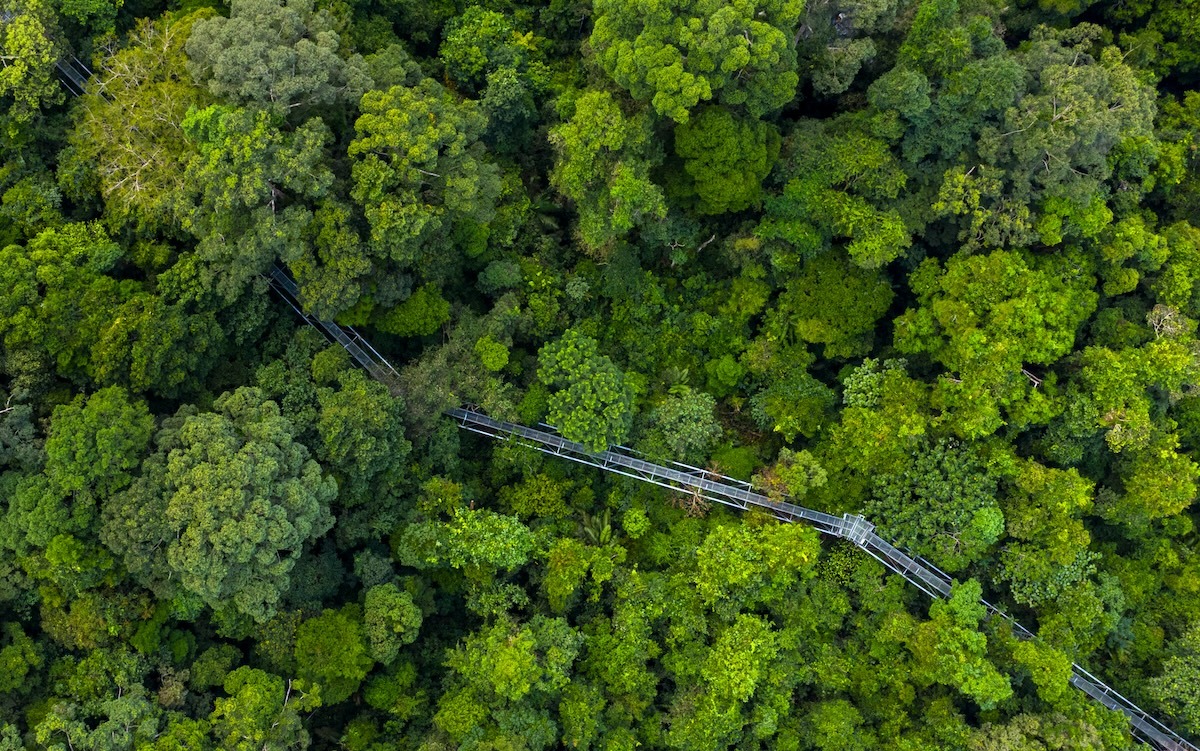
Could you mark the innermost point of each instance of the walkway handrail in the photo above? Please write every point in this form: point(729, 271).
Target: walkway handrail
point(737, 494)
point(353, 342)
point(854, 529)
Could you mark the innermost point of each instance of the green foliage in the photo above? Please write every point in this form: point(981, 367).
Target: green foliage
point(537, 496)
point(794, 404)
point(419, 169)
point(239, 497)
point(332, 652)
point(423, 313)
point(683, 428)
point(361, 435)
point(591, 402)
point(67, 308)
point(492, 353)
point(942, 505)
point(1175, 689)
point(481, 43)
point(984, 318)
point(1039, 731)
point(391, 620)
point(839, 187)
point(620, 217)
point(792, 476)
point(738, 566)
point(953, 652)
point(603, 166)
point(726, 159)
point(278, 54)
point(128, 137)
point(245, 189)
point(18, 656)
point(1042, 513)
point(481, 542)
point(29, 51)
point(262, 711)
point(211, 666)
point(93, 444)
point(509, 660)
point(834, 303)
point(677, 55)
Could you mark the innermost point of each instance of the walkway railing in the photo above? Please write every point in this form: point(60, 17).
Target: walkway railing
point(730, 492)
point(854, 529)
point(359, 348)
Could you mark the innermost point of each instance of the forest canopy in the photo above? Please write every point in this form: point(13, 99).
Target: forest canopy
point(928, 261)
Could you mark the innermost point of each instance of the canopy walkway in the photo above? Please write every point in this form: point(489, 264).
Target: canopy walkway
point(360, 349)
point(854, 529)
point(71, 71)
point(730, 492)
point(717, 488)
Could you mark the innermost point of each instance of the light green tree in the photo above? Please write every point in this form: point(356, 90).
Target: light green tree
point(262, 712)
point(676, 55)
point(29, 54)
point(942, 505)
point(604, 160)
point(1177, 688)
point(247, 189)
point(591, 402)
point(332, 652)
point(391, 620)
point(683, 427)
point(832, 302)
point(727, 158)
point(951, 650)
point(127, 136)
point(986, 318)
point(420, 170)
point(96, 443)
point(840, 181)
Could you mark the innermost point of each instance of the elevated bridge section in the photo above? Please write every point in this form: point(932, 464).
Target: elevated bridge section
point(729, 492)
point(854, 529)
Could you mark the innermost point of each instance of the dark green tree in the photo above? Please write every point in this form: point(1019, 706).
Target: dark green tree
point(942, 505)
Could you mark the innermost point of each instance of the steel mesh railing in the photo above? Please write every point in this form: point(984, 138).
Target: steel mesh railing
point(737, 494)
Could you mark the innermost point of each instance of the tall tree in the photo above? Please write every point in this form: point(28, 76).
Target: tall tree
point(421, 173)
point(279, 54)
point(678, 55)
point(604, 161)
point(248, 186)
point(840, 182)
point(987, 317)
point(28, 51)
point(591, 402)
point(232, 497)
point(128, 135)
point(726, 158)
point(942, 505)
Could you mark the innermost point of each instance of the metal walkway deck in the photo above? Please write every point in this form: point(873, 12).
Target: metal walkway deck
point(855, 529)
point(360, 349)
point(730, 492)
